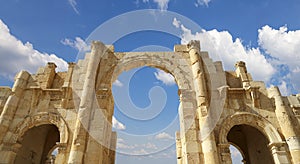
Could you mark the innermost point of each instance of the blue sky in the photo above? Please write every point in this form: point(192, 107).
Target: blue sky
point(263, 33)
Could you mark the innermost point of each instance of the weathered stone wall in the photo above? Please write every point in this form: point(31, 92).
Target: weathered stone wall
point(80, 104)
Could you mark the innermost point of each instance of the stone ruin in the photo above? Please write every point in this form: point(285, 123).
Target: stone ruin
point(71, 111)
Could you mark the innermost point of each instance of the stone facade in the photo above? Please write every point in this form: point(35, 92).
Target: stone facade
point(72, 111)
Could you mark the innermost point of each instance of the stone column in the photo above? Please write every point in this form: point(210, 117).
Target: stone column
point(9, 152)
point(198, 72)
point(209, 148)
point(189, 128)
point(178, 148)
point(85, 106)
point(290, 131)
point(241, 72)
point(48, 75)
point(12, 102)
point(279, 153)
point(67, 90)
point(225, 153)
point(113, 147)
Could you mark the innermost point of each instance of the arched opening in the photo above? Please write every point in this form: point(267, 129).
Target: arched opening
point(252, 144)
point(37, 143)
point(145, 132)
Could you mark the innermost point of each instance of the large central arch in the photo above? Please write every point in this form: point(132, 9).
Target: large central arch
point(170, 62)
point(194, 73)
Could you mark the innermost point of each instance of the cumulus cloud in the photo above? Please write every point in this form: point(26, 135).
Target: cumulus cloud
point(281, 46)
point(176, 23)
point(202, 2)
point(164, 136)
point(118, 83)
point(164, 77)
point(78, 44)
point(137, 147)
point(121, 144)
point(221, 46)
point(16, 55)
point(162, 4)
point(284, 47)
point(140, 152)
point(117, 124)
point(73, 4)
point(149, 146)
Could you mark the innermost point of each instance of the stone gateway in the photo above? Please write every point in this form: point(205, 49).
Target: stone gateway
point(71, 112)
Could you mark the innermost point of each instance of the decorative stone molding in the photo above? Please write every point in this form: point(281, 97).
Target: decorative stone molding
point(41, 119)
point(256, 121)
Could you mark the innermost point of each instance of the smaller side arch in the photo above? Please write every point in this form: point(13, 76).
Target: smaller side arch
point(256, 121)
point(42, 119)
point(274, 142)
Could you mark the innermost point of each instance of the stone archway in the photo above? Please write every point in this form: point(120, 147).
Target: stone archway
point(252, 143)
point(42, 119)
point(202, 89)
point(39, 120)
point(174, 63)
point(36, 144)
point(247, 124)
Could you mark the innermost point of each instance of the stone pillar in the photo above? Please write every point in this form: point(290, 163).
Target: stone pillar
point(190, 145)
point(279, 153)
point(241, 72)
point(62, 152)
point(290, 131)
point(225, 153)
point(87, 98)
point(8, 152)
point(209, 148)
point(67, 86)
point(198, 73)
point(113, 147)
point(48, 77)
point(12, 102)
point(178, 148)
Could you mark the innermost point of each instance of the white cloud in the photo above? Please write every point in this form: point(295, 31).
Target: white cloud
point(16, 56)
point(176, 23)
point(73, 4)
point(117, 125)
point(120, 140)
point(162, 4)
point(140, 152)
point(283, 45)
point(202, 2)
point(221, 46)
point(78, 44)
point(118, 83)
point(164, 77)
point(164, 136)
point(121, 145)
point(149, 146)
